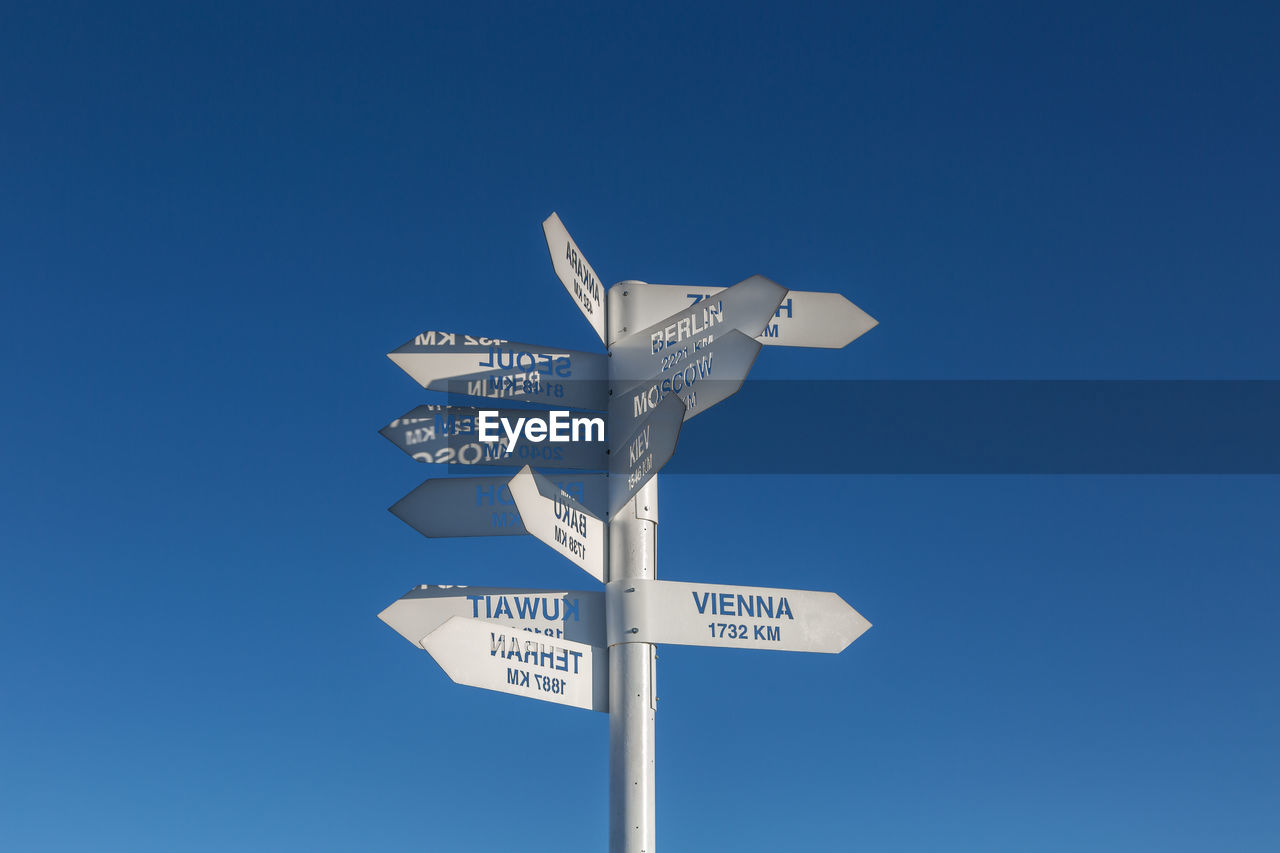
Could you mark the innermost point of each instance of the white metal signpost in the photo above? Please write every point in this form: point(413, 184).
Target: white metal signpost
point(674, 352)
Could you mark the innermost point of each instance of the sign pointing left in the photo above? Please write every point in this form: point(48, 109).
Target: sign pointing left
point(509, 660)
point(502, 369)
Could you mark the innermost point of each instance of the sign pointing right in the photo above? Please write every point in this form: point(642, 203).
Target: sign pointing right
point(742, 617)
point(805, 318)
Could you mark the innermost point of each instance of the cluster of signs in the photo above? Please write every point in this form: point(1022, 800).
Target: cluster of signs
point(608, 424)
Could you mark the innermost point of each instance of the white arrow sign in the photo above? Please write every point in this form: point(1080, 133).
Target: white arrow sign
point(805, 318)
point(509, 660)
point(566, 615)
point(483, 506)
point(454, 435)
point(575, 273)
point(555, 518)
point(744, 617)
point(502, 369)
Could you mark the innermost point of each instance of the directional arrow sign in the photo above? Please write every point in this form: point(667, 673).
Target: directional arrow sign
point(575, 273)
point(649, 445)
point(509, 660)
point(483, 506)
point(744, 617)
point(747, 307)
point(453, 435)
point(805, 318)
point(567, 615)
point(708, 375)
point(501, 369)
point(554, 517)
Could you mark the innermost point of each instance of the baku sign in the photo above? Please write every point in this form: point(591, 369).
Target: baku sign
point(555, 518)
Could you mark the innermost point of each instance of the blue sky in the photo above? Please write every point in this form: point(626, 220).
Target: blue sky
point(217, 220)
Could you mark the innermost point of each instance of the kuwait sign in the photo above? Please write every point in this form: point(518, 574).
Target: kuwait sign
point(567, 615)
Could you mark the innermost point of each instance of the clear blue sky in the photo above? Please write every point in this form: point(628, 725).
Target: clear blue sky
point(215, 220)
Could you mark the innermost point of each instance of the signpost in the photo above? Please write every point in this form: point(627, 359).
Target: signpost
point(674, 352)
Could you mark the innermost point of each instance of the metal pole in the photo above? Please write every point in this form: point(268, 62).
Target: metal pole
point(632, 697)
point(633, 553)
